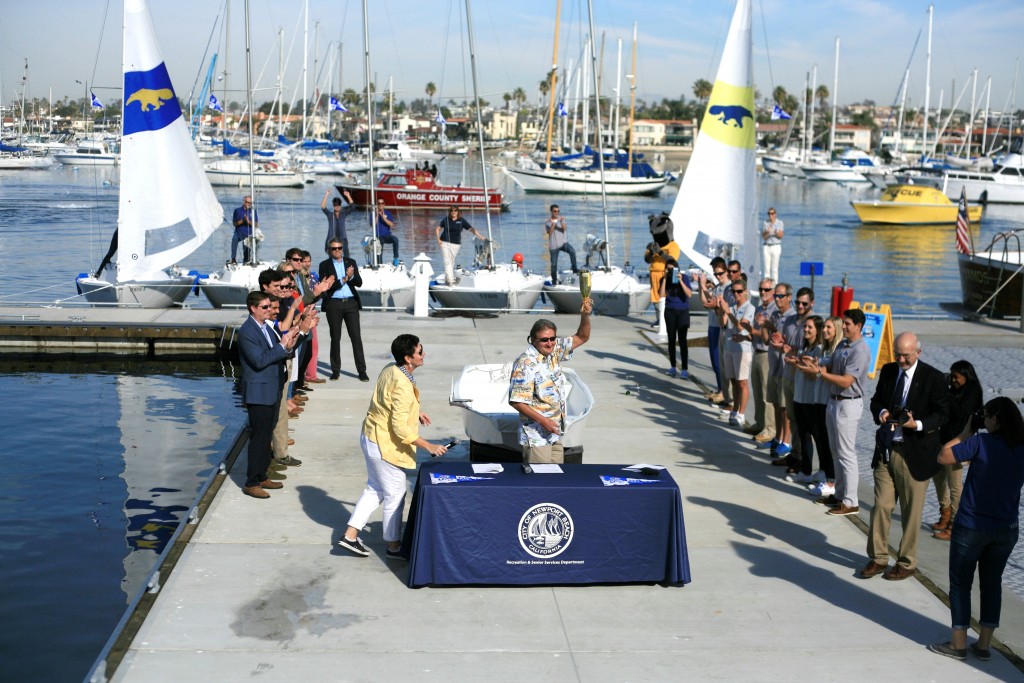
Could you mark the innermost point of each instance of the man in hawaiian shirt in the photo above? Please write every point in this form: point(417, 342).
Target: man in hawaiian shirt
point(537, 388)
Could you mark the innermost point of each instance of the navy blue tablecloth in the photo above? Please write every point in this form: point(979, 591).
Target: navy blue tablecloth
point(590, 524)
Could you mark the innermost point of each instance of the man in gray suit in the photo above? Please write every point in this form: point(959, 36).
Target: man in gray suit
point(262, 353)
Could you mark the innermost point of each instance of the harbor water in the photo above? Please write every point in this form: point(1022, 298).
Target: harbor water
point(106, 458)
point(70, 213)
point(103, 461)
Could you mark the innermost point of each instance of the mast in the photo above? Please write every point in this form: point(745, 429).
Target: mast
point(632, 103)
point(305, 63)
point(554, 82)
point(927, 87)
point(835, 103)
point(600, 144)
point(248, 105)
point(480, 132)
point(369, 135)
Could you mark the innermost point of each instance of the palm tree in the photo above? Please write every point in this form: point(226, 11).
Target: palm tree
point(431, 90)
point(508, 100)
point(702, 89)
point(821, 93)
point(519, 95)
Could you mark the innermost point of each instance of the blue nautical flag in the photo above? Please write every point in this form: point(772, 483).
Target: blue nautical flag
point(335, 105)
point(150, 102)
point(562, 110)
point(440, 119)
point(96, 101)
point(778, 113)
point(214, 103)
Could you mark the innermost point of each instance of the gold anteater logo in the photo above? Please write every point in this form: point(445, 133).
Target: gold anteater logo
point(150, 100)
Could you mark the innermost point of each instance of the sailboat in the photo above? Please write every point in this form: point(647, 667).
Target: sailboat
point(385, 285)
point(629, 178)
point(715, 212)
point(166, 207)
point(503, 286)
point(231, 286)
point(613, 291)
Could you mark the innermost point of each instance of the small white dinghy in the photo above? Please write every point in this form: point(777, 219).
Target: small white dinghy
point(482, 390)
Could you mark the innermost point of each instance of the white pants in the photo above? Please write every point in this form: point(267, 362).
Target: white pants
point(448, 252)
point(385, 483)
point(770, 255)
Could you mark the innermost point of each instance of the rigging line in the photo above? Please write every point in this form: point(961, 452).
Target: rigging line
point(96, 61)
point(767, 52)
point(202, 62)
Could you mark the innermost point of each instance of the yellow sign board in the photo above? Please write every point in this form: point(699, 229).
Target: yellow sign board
point(877, 334)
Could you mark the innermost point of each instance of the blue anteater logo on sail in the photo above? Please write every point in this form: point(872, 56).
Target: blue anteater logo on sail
point(150, 103)
point(731, 113)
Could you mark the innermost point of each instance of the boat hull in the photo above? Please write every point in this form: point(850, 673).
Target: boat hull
point(262, 179)
point(482, 391)
point(433, 198)
point(981, 276)
point(782, 166)
point(387, 287)
point(497, 289)
point(834, 174)
point(906, 213)
point(230, 287)
point(156, 293)
point(585, 182)
point(984, 187)
point(613, 292)
point(86, 159)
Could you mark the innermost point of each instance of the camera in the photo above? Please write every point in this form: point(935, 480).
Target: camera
point(978, 420)
point(898, 417)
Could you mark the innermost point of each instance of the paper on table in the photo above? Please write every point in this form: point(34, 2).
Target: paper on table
point(641, 466)
point(487, 468)
point(545, 468)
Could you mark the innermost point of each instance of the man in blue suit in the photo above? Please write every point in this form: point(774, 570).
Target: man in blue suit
point(263, 355)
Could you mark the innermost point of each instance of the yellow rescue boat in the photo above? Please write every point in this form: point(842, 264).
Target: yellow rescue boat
point(912, 205)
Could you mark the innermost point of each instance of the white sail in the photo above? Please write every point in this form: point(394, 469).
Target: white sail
point(715, 211)
point(167, 208)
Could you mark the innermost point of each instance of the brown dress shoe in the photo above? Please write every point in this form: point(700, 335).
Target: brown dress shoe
point(872, 569)
point(293, 414)
point(270, 484)
point(944, 514)
point(943, 534)
point(898, 573)
point(317, 380)
point(256, 491)
point(291, 442)
point(843, 510)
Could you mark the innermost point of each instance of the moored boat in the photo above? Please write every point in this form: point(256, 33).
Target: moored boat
point(482, 390)
point(911, 205)
point(166, 207)
point(417, 188)
point(90, 153)
point(991, 279)
point(1004, 184)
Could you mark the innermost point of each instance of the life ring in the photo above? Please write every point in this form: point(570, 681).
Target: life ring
point(270, 166)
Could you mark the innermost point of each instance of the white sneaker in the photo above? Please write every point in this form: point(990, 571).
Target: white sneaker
point(823, 489)
point(734, 420)
point(802, 478)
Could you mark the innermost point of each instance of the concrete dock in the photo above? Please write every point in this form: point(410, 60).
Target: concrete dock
point(262, 592)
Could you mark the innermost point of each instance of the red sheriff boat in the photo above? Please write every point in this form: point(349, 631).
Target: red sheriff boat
point(416, 188)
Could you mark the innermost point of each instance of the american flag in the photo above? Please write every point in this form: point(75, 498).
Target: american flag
point(963, 225)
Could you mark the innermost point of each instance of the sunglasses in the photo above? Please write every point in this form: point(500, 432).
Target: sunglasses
point(336, 248)
point(265, 306)
point(803, 303)
point(738, 291)
point(781, 296)
point(545, 340)
point(296, 259)
point(734, 270)
point(719, 272)
point(766, 289)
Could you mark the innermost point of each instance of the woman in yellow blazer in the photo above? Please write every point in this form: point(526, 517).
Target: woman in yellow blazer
point(389, 440)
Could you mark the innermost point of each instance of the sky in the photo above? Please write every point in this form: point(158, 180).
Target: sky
point(419, 41)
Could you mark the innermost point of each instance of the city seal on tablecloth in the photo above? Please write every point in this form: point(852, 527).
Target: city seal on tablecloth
point(545, 530)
